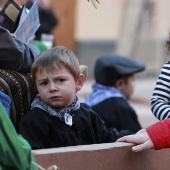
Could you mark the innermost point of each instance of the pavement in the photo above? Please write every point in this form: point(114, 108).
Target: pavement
point(140, 100)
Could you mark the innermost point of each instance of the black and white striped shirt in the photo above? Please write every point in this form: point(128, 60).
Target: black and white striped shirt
point(160, 101)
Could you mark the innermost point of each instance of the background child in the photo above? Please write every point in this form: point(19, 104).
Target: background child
point(161, 95)
point(115, 75)
point(57, 118)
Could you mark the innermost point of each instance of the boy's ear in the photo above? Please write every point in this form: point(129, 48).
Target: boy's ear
point(119, 84)
point(80, 82)
point(84, 71)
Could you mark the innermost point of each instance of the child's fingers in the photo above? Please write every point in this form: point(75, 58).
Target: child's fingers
point(129, 138)
point(141, 131)
point(138, 148)
point(142, 147)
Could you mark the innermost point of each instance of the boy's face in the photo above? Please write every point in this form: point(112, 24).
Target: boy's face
point(127, 86)
point(57, 87)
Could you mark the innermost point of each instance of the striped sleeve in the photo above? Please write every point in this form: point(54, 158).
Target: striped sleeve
point(160, 100)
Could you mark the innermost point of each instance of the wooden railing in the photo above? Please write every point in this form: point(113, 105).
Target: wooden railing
point(110, 156)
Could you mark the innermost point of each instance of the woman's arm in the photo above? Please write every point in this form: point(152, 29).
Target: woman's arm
point(160, 101)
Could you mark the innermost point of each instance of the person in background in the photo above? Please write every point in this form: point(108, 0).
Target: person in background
point(44, 38)
point(57, 117)
point(14, 54)
point(47, 18)
point(16, 59)
point(115, 75)
point(161, 95)
point(156, 136)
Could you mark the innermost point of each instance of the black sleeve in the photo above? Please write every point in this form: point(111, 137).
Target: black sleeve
point(118, 113)
point(14, 54)
point(107, 135)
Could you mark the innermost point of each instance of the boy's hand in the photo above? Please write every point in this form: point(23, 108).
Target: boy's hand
point(141, 138)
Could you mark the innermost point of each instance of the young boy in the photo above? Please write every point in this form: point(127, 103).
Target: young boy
point(115, 75)
point(57, 118)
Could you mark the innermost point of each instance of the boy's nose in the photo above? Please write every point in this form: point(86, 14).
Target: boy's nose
point(53, 87)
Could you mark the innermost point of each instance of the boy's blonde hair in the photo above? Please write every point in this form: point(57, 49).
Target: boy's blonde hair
point(56, 57)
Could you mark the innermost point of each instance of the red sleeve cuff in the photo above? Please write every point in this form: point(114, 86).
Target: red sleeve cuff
point(160, 134)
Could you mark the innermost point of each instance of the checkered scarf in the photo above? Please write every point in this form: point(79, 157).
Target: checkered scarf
point(101, 93)
point(61, 114)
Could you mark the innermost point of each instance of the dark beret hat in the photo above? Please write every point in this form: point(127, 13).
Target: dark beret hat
point(111, 67)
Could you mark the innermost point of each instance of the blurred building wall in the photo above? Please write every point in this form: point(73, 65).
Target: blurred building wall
point(98, 31)
point(91, 32)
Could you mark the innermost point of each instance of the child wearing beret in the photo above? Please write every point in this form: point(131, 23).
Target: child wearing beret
point(115, 76)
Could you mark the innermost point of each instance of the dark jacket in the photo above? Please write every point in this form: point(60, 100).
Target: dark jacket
point(14, 54)
point(44, 131)
point(117, 113)
point(48, 21)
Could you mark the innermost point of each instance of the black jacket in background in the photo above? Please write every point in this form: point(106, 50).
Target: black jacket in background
point(117, 113)
point(47, 20)
point(44, 131)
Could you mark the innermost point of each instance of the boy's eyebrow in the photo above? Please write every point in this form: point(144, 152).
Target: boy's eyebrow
point(43, 79)
point(56, 77)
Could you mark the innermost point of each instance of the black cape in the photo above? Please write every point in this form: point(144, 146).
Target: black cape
point(44, 131)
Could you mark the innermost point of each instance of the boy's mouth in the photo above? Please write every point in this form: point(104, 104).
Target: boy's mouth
point(54, 97)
